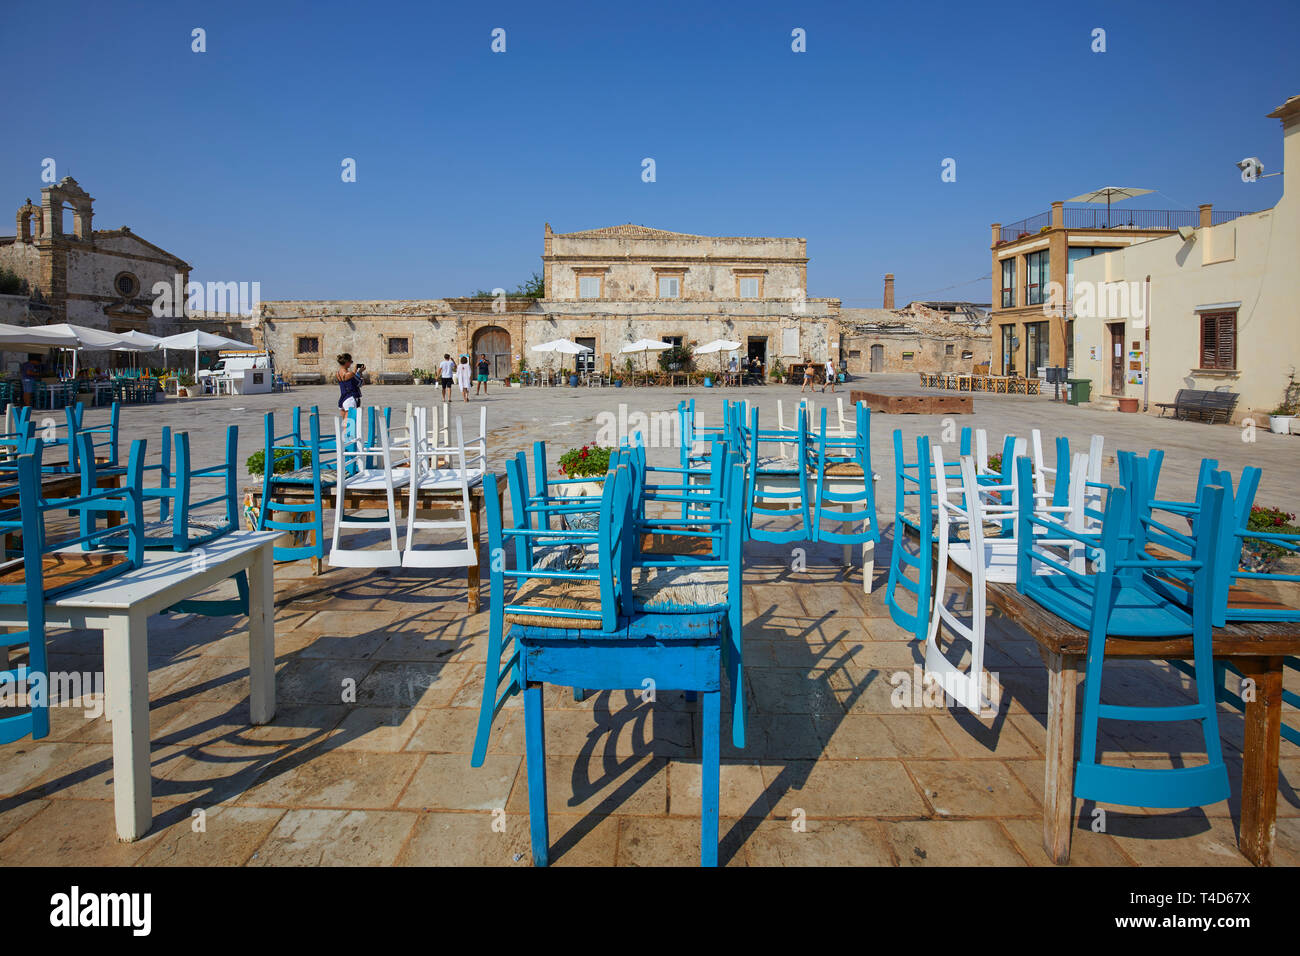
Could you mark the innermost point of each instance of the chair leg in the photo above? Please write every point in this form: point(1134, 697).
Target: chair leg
point(535, 750)
point(710, 777)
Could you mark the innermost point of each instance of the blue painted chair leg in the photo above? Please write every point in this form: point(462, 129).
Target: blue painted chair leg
point(710, 772)
point(579, 694)
point(535, 748)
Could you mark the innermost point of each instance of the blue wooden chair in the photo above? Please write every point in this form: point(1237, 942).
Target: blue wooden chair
point(777, 487)
point(913, 509)
point(580, 628)
point(49, 569)
point(310, 470)
point(104, 437)
point(841, 463)
point(1134, 594)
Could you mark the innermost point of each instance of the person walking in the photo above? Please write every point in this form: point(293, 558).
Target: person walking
point(446, 374)
point(830, 375)
point(463, 376)
point(808, 375)
point(349, 380)
point(484, 369)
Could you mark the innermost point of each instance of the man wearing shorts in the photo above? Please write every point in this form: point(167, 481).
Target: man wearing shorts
point(446, 374)
point(483, 370)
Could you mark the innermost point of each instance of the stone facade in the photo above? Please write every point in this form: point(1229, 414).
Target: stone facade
point(913, 339)
point(768, 312)
point(102, 279)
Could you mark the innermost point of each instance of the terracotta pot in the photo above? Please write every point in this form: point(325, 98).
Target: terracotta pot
point(1128, 404)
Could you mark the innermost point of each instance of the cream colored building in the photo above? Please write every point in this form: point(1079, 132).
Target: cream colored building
point(1221, 309)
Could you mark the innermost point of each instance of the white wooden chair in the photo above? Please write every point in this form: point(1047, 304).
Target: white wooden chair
point(430, 475)
point(965, 518)
point(356, 473)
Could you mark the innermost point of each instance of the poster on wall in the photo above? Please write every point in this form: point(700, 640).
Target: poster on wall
point(1092, 352)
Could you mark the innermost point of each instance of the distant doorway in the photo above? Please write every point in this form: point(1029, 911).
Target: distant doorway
point(1116, 358)
point(756, 348)
point(494, 342)
point(877, 358)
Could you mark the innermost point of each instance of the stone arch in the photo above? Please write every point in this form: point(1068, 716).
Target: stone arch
point(494, 342)
point(26, 212)
point(54, 198)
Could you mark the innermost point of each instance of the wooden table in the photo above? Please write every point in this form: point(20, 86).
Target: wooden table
point(915, 404)
point(120, 607)
point(1255, 649)
point(431, 500)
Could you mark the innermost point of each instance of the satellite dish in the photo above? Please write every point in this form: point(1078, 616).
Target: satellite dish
point(1251, 169)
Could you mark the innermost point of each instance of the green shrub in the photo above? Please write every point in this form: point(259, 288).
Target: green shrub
point(256, 463)
point(678, 355)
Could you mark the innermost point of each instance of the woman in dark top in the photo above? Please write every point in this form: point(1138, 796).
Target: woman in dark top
point(349, 380)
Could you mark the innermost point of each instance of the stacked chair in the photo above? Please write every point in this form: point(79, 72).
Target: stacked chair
point(50, 568)
point(627, 600)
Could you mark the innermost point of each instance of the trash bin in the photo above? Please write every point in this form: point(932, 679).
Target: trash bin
point(1080, 390)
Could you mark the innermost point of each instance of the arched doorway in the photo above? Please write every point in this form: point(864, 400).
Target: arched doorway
point(494, 342)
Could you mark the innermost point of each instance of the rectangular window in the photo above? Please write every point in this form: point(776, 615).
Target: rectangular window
point(967, 354)
point(1219, 340)
point(1008, 349)
point(1008, 283)
point(1037, 275)
point(670, 287)
point(948, 349)
point(588, 287)
point(586, 361)
point(398, 346)
point(749, 287)
point(674, 340)
point(308, 345)
point(907, 356)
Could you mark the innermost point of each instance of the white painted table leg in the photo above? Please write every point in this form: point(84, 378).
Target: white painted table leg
point(868, 565)
point(126, 665)
point(261, 637)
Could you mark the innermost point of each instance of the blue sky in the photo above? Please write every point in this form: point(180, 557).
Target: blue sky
point(231, 158)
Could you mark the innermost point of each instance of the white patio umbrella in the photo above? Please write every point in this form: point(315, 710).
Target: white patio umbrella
point(1108, 193)
point(88, 338)
point(197, 339)
point(563, 347)
point(644, 346)
point(42, 336)
point(719, 346)
point(139, 342)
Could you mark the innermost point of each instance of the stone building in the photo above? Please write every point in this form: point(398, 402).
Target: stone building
point(923, 336)
point(98, 278)
point(603, 288)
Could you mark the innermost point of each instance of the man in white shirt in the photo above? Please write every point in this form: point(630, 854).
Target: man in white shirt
point(446, 374)
point(830, 375)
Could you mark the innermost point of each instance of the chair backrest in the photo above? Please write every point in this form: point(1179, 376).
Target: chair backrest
point(188, 507)
point(106, 435)
point(914, 481)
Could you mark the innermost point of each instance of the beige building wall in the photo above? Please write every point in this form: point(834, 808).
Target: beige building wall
point(1250, 264)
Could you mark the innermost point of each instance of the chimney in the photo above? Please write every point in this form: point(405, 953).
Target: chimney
point(889, 290)
point(1058, 215)
point(1205, 208)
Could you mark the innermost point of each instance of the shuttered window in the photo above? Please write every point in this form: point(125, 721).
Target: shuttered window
point(1219, 340)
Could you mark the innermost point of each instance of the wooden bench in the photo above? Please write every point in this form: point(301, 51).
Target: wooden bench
point(914, 404)
point(1206, 405)
point(308, 378)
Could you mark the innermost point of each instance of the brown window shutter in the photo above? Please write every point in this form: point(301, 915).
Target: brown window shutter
point(1209, 324)
point(1227, 343)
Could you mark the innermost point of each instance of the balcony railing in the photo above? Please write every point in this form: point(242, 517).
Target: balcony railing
point(1117, 217)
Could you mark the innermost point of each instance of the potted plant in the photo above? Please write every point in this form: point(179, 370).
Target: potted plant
point(422, 376)
point(618, 382)
point(1279, 419)
point(778, 371)
point(589, 461)
point(514, 380)
point(1263, 557)
point(256, 463)
point(186, 382)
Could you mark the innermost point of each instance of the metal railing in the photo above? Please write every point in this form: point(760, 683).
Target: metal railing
point(1117, 217)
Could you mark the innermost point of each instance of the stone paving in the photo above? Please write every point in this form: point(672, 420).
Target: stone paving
point(834, 773)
